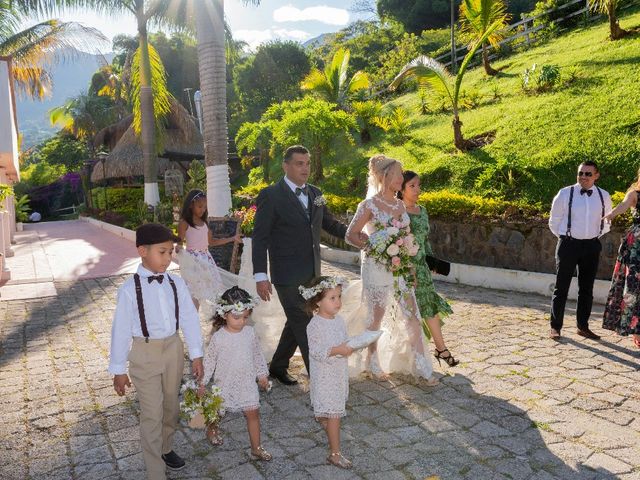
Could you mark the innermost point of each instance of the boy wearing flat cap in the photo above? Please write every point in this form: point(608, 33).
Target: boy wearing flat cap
point(152, 305)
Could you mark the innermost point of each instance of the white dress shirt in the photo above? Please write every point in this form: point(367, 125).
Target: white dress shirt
point(304, 199)
point(159, 309)
point(586, 213)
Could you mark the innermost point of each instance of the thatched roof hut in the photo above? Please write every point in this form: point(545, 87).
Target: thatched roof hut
point(182, 143)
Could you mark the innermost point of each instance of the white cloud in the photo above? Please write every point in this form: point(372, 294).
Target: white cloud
point(256, 37)
point(299, 35)
point(320, 13)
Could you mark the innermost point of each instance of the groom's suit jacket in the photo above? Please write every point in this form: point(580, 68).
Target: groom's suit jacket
point(283, 230)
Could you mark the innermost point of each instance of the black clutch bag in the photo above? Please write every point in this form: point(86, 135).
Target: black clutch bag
point(439, 266)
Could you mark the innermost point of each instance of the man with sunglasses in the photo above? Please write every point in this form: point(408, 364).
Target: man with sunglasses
point(577, 220)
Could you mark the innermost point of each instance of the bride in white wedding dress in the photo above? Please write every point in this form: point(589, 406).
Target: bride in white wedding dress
point(386, 302)
point(370, 303)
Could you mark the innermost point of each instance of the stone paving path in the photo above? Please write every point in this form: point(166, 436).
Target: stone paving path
point(519, 406)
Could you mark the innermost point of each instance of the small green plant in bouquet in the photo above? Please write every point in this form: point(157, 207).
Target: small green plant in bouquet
point(201, 410)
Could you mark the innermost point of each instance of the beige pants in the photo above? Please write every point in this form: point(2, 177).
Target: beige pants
point(156, 371)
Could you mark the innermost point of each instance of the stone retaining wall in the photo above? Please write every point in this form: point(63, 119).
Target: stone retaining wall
point(528, 247)
point(517, 247)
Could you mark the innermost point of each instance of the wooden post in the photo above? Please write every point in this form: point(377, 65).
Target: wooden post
point(526, 29)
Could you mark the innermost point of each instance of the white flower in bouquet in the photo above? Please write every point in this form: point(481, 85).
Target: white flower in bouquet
point(393, 249)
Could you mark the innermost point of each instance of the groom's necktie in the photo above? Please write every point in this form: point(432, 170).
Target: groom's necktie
point(299, 192)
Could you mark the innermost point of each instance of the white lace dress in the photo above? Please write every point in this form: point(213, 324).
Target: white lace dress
point(402, 338)
point(329, 376)
point(235, 361)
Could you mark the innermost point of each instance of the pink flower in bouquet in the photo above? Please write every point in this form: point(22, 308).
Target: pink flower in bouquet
point(393, 249)
point(399, 242)
point(395, 261)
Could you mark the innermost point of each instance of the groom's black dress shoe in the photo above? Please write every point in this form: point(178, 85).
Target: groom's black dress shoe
point(586, 333)
point(283, 377)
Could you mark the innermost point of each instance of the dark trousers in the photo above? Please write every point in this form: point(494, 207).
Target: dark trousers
point(572, 253)
point(294, 333)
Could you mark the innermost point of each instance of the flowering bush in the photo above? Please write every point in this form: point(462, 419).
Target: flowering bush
point(248, 216)
point(393, 245)
point(209, 405)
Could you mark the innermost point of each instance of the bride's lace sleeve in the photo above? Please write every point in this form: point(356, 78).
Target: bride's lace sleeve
point(318, 348)
point(259, 363)
point(210, 359)
point(360, 219)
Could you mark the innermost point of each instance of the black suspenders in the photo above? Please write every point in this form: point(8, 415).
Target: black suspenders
point(143, 319)
point(571, 203)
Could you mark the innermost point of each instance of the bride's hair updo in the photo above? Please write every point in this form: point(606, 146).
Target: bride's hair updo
point(379, 167)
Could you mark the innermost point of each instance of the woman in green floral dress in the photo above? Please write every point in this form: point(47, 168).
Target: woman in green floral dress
point(432, 306)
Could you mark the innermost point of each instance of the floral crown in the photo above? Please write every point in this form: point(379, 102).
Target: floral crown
point(327, 283)
point(223, 306)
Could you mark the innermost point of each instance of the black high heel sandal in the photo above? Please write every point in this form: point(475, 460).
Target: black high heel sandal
point(449, 360)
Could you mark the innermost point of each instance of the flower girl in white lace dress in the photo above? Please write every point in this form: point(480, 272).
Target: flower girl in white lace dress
point(402, 349)
point(328, 352)
point(197, 267)
point(235, 361)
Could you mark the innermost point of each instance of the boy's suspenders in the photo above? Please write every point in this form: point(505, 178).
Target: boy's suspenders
point(571, 202)
point(143, 319)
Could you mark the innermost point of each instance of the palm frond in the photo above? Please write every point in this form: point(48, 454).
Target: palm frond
point(161, 95)
point(467, 58)
point(32, 82)
point(428, 72)
point(359, 81)
point(477, 15)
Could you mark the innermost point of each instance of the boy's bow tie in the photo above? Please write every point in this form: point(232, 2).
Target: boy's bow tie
point(158, 278)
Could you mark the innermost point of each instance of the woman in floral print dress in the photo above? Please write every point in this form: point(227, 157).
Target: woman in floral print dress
point(622, 310)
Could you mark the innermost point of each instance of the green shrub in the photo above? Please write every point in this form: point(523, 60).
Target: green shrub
point(251, 191)
point(445, 204)
point(543, 79)
point(339, 204)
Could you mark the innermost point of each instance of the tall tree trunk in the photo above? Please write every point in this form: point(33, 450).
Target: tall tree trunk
point(489, 70)
point(458, 139)
point(317, 172)
point(213, 87)
point(147, 127)
point(615, 31)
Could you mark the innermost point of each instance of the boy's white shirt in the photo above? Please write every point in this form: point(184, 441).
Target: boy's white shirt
point(159, 311)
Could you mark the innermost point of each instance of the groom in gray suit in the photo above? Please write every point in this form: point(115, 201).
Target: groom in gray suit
point(290, 215)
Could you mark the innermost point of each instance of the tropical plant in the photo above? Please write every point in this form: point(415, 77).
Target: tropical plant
point(476, 17)
point(313, 123)
point(256, 136)
point(35, 49)
point(608, 8)
point(430, 72)
point(196, 177)
point(22, 208)
point(544, 78)
point(397, 125)
point(365, 112)
point(334, 85)
point(5, 192)
point(83, 116)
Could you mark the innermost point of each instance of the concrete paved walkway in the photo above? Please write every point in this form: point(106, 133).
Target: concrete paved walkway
point(69, 250)
point(519, 406)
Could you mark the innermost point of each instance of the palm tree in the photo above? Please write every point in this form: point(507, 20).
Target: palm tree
point(34, 49)
point(476, 17)
point(210, 31)
point(609, 8)
point(333, 85)
point(429, 72)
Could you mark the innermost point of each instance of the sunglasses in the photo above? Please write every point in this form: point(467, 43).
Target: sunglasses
point(585, 174)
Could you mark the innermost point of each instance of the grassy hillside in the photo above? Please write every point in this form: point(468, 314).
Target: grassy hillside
point(540, 138)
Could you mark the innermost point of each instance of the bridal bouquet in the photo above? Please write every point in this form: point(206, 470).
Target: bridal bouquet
point(393, 245)
point(201, 410)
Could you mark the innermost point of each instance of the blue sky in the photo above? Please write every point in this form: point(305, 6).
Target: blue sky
point(297, 20)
